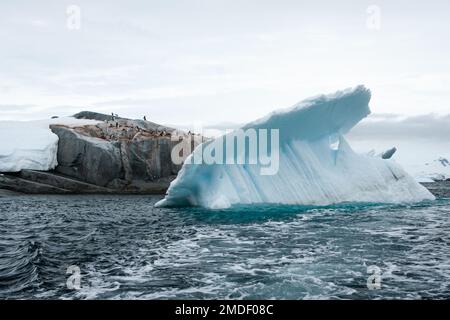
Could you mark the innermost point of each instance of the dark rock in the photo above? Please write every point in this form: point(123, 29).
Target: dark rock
point(17, 184)
point(62, 182)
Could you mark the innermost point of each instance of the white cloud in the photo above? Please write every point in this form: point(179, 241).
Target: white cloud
point(210, 59)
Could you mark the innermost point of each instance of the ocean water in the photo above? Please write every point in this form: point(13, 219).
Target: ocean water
point(127, 249)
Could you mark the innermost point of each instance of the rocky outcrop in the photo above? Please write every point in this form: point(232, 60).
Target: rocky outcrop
point(115, 155)
point(124, 155)
point(88, 159)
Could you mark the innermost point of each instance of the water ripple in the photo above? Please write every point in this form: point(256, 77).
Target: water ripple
point(125, 248)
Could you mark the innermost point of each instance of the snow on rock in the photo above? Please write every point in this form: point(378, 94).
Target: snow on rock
point(316, 164)
point(31, 144)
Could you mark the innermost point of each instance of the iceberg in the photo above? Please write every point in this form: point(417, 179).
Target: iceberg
point(316, 165)
point(31, 144)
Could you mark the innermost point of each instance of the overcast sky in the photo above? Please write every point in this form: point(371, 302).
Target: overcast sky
point(213, 61)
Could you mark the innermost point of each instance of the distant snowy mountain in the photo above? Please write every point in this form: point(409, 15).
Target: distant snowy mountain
point(430, 171)
point(436, 170)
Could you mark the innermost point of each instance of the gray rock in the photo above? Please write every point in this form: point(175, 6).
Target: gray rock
point(17, 184)
point(63, 182)
point(9, 193)
point(88, 159)
point(133, 157)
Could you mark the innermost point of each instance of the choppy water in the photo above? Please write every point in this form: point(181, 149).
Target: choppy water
point(125, 248)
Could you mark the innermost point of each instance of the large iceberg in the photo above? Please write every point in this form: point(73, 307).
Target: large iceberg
point(31, 144)
point(316, 164)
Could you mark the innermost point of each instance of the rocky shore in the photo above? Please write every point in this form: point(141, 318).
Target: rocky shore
point(116, 155)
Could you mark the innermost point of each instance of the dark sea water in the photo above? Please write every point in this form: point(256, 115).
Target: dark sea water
point(127, 249)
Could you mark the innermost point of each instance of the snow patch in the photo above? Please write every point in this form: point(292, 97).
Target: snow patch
point(31, 144)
